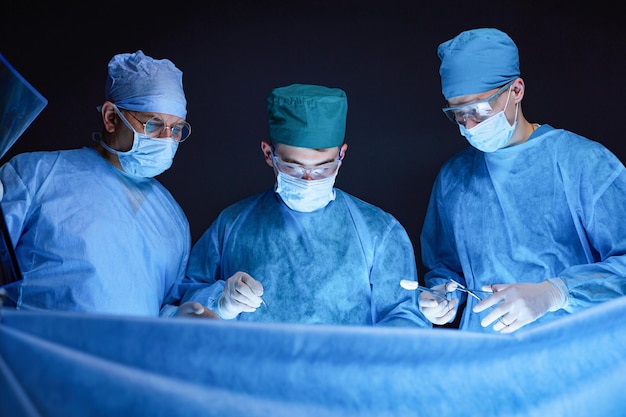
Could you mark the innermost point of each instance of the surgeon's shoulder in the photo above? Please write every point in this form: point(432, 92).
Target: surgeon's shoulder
point(368, 210)
point(264, 200)
point(32, 162)
point(578, 149)
point(461, 163)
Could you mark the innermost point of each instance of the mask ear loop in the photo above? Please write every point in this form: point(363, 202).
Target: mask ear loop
point(126, 122)
point(507, 103)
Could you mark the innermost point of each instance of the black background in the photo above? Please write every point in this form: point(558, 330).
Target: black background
point(382, 53)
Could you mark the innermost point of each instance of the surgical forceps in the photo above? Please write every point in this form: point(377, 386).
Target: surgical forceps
point(413, 285)
point(469, 291)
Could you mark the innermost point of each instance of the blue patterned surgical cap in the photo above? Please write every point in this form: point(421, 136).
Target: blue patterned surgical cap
point(140, 83)
point(476, 61)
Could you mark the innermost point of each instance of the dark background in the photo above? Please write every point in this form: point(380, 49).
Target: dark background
point(382, 53)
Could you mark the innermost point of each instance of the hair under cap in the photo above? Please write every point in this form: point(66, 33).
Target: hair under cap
point(140, 83)
point(307, 116)
point(476, 61)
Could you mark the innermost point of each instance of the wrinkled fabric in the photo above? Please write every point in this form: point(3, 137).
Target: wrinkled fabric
point(90, 238)
point(77, 365)
point(307, 116)
point(476, 61)
point(141, 83)
point(341, 264)
point(551, 207)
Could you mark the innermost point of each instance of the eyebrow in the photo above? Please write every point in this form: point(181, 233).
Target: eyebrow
point(293, 161)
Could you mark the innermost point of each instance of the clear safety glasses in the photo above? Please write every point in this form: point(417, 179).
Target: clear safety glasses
point(155, 126)
point(317, 172)
point(478, 111)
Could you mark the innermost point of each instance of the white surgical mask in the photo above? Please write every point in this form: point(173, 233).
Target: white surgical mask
point(492, 134)
point(148, 157)
point(305, 196)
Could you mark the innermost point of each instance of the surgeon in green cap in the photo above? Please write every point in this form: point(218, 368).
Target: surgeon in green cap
point(311, 253)
point(529, 216)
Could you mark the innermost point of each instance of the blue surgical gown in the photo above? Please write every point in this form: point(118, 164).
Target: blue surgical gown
point(341, 264)
point(90, 238)
point(551, 207)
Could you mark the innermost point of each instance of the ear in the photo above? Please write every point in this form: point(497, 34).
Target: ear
point(518, 90)
point(342, 151)
point(266, 148)
point(108, 116)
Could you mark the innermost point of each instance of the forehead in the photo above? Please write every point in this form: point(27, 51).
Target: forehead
point(305, 155)
point(470, 98)
point(167, 118)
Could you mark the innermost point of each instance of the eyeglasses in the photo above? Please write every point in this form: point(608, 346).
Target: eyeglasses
point(478, 111)
point(155, 126)
point(317, 172)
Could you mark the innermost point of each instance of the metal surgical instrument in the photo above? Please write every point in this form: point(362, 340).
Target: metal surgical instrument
point(414, 286)
point(469, 291)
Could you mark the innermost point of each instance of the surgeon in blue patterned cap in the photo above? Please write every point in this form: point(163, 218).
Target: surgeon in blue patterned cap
point(147, 96)
point(94, 232)
point(529, 217)
point(311, 253)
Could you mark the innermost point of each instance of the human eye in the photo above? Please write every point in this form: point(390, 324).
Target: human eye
point(459, 116)
point(154, 125)
point(177, 131)
point(481, 111)
point(292, 169)
point(318, 172)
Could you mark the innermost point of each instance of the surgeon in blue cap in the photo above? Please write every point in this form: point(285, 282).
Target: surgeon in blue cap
point(529, 216)
point(94, 232)
point(311, 253)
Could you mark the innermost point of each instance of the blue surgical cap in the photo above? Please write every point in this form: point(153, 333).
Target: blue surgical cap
point(140, 83)
point(476, 61)
point(307, 116)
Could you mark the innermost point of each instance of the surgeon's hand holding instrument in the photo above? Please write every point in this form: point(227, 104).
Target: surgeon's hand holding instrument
point(242, 293)
point(434, 302)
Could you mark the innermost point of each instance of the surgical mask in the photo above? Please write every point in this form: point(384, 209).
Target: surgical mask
point(148, 157)
point(492, 134)
point(305, 196)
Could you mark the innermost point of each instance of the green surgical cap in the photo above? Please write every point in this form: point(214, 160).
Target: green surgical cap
point(476, 61)
point(307, 116)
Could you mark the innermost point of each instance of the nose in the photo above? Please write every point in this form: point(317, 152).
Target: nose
point(469, 123)
point(163, 133)
point(307, 175)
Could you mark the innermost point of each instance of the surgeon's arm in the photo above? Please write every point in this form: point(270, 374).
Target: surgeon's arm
point(393, 261)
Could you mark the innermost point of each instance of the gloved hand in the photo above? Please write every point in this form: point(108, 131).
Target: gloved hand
point(438, 309)
point(195, 309)
point(518, 304)
point(241, 293)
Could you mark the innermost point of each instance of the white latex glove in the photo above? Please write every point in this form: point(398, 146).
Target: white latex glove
point(438, 309)
point(242, 293)
point(518, 304)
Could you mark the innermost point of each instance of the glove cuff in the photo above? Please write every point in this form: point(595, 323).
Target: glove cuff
point(222, 310)
point(561, 294)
